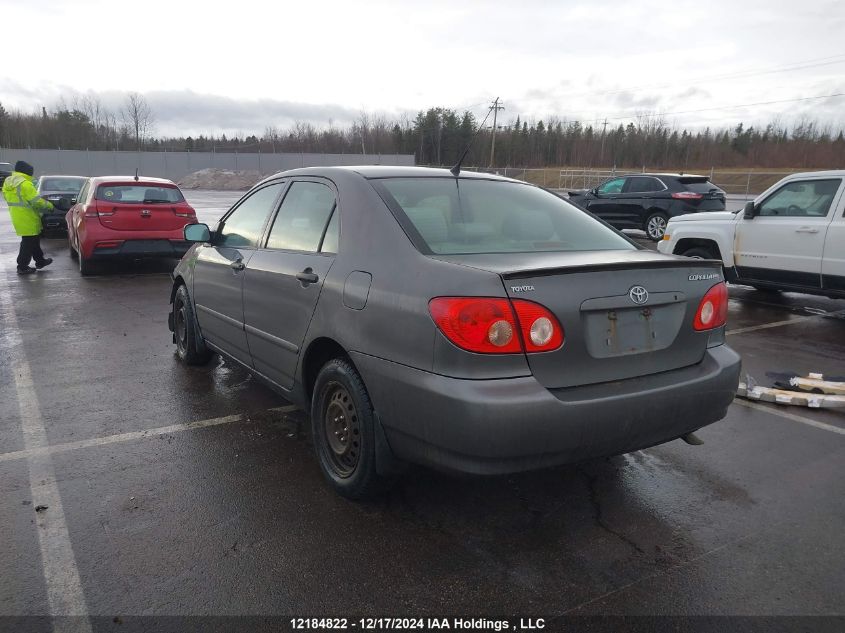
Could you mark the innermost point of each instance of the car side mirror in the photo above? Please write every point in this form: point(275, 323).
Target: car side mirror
point(595, 191)
point(749, 211)
point(197, 233)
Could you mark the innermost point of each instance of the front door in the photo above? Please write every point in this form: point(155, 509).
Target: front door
point(218, 273)
point(608, 203)
point(783, 244)
point(283, 279)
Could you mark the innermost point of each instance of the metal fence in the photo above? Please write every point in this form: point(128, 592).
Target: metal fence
point(736, 183)
point(745, 183)
point(176, 165)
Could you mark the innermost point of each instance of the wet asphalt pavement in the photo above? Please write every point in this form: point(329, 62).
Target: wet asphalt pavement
point(233, 517)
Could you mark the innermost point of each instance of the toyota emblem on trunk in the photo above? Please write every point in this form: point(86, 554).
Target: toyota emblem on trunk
point(638, 294)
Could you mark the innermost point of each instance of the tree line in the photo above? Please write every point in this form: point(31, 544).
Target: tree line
point(438, 135)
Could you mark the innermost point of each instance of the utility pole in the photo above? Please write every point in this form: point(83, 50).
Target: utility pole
point(495, 107)
point(603, 131)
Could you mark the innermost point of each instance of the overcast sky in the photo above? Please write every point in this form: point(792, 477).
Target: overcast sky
point(240, 66)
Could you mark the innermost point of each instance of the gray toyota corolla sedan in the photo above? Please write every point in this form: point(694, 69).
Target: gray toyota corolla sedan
point(471, 323)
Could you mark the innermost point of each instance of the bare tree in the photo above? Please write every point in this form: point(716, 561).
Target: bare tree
point(138, 117)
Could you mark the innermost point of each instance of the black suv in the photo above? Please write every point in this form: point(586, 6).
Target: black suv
point(647, 201)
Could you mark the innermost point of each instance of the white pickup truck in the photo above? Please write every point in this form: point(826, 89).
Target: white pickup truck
point(791, 237)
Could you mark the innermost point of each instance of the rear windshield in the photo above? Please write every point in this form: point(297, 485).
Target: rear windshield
point(453, 217)
point(146, 194)
point(63, 185)
point(698, 184)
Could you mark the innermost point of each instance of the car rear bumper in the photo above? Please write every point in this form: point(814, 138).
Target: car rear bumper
point(142, 249)
point(491, 427)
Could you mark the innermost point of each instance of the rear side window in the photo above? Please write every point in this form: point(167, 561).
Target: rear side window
point(643, 184)
point(458, 216)
point(302, 218)
point(63, 185)
point(139, 194)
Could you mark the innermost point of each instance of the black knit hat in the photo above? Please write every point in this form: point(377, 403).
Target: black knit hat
point(24, 167)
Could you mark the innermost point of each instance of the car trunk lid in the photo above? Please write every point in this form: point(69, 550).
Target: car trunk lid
point(624, 313)
point(140, 206)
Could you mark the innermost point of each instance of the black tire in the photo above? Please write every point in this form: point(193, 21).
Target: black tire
point(190, 348)
point(700, 252)
point(71, 248)
point(655, 226)
point(342, 428)
point(86, 266)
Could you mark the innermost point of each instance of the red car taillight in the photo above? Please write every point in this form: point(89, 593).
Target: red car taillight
point(687, 195)
point(184, 212)
point(713, 309)
point(541, 331)
point(488, 325)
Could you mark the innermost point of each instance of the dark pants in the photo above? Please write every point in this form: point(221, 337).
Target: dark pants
point(30, 249)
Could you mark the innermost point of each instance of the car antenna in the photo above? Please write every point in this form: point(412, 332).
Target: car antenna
point(457, 168)
point(136, 174)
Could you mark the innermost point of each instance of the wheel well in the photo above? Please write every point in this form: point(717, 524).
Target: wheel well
point(687, 243)
point(319, 352)
point(176, 283)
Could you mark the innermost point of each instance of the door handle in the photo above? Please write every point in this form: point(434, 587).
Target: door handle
point(238, 264)
point(806, 229)
point(307, 276)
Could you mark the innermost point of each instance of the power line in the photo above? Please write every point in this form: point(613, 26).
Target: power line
point(802, 65)
point(728, 107)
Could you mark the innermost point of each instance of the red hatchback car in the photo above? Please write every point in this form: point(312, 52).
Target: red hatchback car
point(129, 218)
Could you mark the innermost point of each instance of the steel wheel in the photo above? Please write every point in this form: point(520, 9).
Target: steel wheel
point(342, 430)
point(180, 327)
point(656, 227)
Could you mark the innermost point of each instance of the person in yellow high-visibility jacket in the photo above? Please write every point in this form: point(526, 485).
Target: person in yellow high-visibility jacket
point(26, 207)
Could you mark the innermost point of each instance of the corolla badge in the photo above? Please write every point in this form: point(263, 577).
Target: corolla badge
point(638, 294)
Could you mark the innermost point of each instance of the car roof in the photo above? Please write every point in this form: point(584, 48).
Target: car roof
point(667, 175)
point(128, 180)
point(390, 171)
point(60, 176)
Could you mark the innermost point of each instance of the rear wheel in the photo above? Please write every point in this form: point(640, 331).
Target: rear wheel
point(86, 267)
point(71, 247)
point(655, 226)
point(190, 348)
point(342, 425)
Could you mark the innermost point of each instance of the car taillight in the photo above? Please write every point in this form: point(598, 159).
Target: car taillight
point(477, 324)
point(184, 212)
point(713, 309)
point(687, 195)
point(90, 212)
point(541, 331)
point(488, 325)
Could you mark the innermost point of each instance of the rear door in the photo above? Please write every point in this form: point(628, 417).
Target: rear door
point(283, 279)
point(833, 261)
point(784, 243)
point(608, 203)
point(218, 272)
point(639, 198)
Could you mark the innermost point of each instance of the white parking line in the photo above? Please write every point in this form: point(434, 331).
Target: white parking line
point(774, 410)
point(61, 576)
point(766, 326)
point(127, 437)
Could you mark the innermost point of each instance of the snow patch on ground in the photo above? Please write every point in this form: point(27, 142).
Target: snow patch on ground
point(222, 179)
